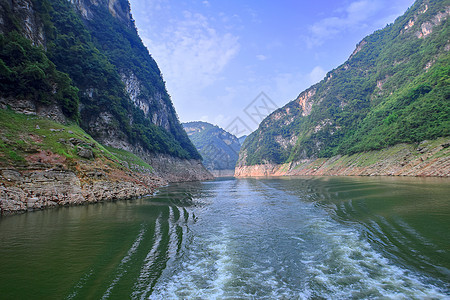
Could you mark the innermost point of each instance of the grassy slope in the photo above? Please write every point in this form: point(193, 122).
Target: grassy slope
point(29, 140)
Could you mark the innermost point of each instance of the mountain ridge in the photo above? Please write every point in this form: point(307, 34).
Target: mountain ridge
point(393, 89)
point(218, 147)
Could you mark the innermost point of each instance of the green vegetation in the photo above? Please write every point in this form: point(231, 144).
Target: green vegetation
point(26, 72)
point(134, 162)
point(396, 89)
point(82, 63)
point(24, 136)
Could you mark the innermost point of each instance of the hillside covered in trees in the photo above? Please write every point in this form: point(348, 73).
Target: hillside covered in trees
point(87, 57)
point(218, 148)
point(85, 115)
point(394, 88)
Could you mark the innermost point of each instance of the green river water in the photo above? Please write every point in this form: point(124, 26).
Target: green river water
point(281, 238)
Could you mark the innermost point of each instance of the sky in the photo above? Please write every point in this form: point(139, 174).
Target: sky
point(230, 63)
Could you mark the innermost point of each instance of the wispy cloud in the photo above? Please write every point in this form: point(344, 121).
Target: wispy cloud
point(191, 53)
point(317, 74)
point(261, 57)
point(354, 15)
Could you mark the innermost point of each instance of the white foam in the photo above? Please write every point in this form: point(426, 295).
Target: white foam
point(205, 274)
point(351, 265)
point(80, 284)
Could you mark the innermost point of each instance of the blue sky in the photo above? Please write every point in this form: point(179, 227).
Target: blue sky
point(218, 56)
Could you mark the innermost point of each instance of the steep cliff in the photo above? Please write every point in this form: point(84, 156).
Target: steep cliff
point(218, 148)
point(96, 71)
point(71, 64)
point(392, 90)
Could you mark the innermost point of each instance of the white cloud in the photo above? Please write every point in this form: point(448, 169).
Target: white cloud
point(261, 57)
point(317, 74)
point(204, 118)
point(355, 15)
point(191, 53)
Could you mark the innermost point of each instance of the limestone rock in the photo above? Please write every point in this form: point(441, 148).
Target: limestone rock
point(85, 152)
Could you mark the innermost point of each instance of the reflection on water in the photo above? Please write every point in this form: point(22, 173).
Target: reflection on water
point(329, 237)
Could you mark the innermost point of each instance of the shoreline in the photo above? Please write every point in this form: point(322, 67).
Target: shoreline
point(28, 190)
point(427, 159)
point(41, 187)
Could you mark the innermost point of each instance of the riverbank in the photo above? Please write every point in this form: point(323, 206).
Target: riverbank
point(427, 159)
point(47, 164)
point(23, 190)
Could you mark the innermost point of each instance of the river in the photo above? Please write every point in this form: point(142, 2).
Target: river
point(281, 238)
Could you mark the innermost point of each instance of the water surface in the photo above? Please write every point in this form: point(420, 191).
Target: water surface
point(286, 238)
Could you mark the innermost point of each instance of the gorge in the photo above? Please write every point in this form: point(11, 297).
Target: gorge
point(341, 193)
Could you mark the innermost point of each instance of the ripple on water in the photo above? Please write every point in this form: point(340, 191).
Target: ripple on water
point(313, 257)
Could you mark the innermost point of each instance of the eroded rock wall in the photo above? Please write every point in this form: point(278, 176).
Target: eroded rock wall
point(23, 190)
point(429, 158)
point(25, 13)
point(175, 169)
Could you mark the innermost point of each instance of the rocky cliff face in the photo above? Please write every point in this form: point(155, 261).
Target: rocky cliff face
point(429, 158)
point(117, 8)
point(390, 91)
point(30, 24)
point(133, 87)
point(37, 189)
point(99, 68)
point(139, 74)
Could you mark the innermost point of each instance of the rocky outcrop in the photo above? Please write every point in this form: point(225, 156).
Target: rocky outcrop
point(118, 8)
point(429, 158)
point(133, 87)
point(31, 25)
point(38, 188)
point(22, 190)
point(305, 101)
point(174, 169)
point(30, 107)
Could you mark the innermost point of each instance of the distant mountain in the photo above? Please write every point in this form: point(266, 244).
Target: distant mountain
point(218, 148)
point(242, 139)
point(393, 89)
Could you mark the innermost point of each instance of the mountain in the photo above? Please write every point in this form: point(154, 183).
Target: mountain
point(81, 63)
point(87, 62)
point(242, 139)
point(218, 148)
point(394, 89)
